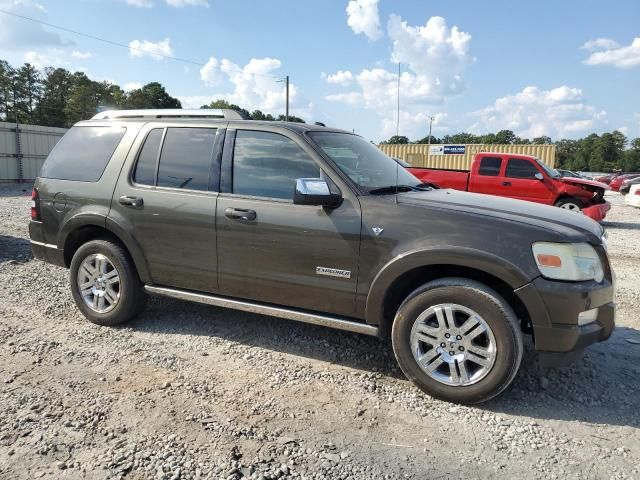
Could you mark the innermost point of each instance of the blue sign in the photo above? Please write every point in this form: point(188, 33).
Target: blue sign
point(454, 149)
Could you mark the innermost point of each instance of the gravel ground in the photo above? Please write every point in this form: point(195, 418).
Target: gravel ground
point(189, 392)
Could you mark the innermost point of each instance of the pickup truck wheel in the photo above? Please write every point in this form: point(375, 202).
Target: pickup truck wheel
point(570, 203)
point(105, 284)
point(457, 340)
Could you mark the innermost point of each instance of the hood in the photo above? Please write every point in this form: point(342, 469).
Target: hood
point(584, 181)
point(563, 222)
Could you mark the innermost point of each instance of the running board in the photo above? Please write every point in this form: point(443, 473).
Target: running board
point(252, 307)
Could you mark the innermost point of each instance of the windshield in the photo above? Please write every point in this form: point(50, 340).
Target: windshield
point(363, 162)
point(550, 171)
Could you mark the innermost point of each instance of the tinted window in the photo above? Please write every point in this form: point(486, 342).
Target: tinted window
point(490, 166)
point(82, 154)
point(268, 165)
point(519, 168)
point(185, 161)
point(146, 167)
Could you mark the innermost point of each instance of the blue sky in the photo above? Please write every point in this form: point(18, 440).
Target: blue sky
point(563, 69)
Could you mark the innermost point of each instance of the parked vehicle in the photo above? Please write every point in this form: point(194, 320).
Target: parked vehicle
point(569, 173)
point(525, 178)
point(317, 225)
point(633, 197)
point(617, 182)
point(604, 178)
point(627, 184)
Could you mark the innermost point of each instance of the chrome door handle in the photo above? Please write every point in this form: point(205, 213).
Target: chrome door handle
point(240, 214)
point(130, 201)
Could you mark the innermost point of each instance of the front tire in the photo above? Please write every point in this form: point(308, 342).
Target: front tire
point(105, 283)
point(457, 340)
point(569, 203)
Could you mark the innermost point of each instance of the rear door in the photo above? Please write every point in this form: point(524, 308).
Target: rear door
point(271, 250)
point(521, 183)
point(486, 179)
point(166, 196)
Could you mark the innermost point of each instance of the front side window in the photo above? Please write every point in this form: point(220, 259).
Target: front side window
point(490, 166)
point(82, 154)
point(520, 168)
point(268, 164)
point(186, 158)
point(363, 162)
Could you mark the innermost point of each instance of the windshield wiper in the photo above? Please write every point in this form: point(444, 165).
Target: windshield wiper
point(422, 187)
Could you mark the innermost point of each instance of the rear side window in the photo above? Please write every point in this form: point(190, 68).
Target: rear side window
point(145, 172)
point(490, 166)
point(185, 161)
point(82, 154)
point(267, 164)
point(519, 168)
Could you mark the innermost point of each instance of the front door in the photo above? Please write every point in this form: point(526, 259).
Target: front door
point(273, 251)
point(168, 201)
point(520, 181)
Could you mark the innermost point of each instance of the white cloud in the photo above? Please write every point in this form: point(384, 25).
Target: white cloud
point(157, 50)
point(81, 55)
point(187, 3)
point(131, 86)
point(16, 34)
point(340, 77)
point(140, 3)
point(609, 52)
point(433, 60)
point(559, 112)
point(53, 57)
point(255, 86)
point(362, 17)
point(195, 101)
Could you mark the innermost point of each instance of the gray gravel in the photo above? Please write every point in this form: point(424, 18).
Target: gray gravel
point(190, 392)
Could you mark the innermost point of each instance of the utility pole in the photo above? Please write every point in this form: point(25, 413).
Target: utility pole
point(398, 109)
point(431, 118)
point(286, 114)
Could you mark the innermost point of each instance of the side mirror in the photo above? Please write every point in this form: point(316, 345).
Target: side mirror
point(539, 176)
point(315, 191)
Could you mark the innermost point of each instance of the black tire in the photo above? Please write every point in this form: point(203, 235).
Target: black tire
point(497, 314)
point(132, 298)
point(570, 203)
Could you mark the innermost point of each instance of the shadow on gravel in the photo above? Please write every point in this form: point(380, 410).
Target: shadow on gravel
point(601, 388)
point(15, 189)
point(14, 248)
point(621, 225)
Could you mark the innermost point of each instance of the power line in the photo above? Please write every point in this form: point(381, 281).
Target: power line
point(128, 47)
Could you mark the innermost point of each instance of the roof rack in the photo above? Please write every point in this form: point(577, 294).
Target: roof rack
point(225, 113)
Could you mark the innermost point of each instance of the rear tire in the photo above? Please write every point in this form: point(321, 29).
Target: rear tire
point(105, 284)
point(570, 203)
point(479, 331)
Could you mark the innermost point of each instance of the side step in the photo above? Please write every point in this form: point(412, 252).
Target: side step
point(253, 307)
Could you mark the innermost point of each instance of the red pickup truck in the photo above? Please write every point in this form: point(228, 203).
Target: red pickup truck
point(525, 178)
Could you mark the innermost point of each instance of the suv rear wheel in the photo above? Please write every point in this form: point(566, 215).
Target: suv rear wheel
point(569, 203)
point(457, 340)
point(105, 284)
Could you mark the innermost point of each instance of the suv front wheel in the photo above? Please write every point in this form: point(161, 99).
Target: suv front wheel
point(457, 340)
point(105, 283)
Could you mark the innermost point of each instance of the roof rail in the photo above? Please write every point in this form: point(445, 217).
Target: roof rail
point(225, 113)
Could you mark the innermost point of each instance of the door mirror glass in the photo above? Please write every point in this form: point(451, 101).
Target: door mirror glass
point(539, 176)
point(314, 191)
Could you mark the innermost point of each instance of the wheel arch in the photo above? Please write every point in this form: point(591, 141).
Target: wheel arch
point(402, 276)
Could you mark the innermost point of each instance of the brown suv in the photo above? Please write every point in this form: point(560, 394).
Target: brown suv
point(317, 225)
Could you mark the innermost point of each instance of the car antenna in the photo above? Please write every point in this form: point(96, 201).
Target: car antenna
point(398, 133)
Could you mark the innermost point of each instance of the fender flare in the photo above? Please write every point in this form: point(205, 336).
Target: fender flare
point(446, 256)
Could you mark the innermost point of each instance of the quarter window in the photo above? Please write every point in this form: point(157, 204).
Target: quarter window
point(267, 164)
point(490, 166)
point(520, 168)
point(145, 172)
point(185, 161)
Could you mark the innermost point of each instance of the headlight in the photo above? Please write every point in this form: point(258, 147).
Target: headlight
point(568, 261)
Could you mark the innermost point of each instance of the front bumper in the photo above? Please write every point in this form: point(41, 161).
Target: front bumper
point(597, 212)
point(554, 308)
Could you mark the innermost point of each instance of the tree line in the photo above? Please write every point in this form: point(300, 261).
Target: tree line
point(56, 97)
point(593, 153)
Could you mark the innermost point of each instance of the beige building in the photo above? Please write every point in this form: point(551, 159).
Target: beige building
point(459, 157)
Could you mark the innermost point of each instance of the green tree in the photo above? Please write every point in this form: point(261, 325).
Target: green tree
point(543, 140)
point(425, 140)
point(27, 86)
point(6, 90)
point(505, 137)
point(397, 140)
point(565, 152)
point(56, 88)
point(292, 118)
point(462, 137)
point(152, 95)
